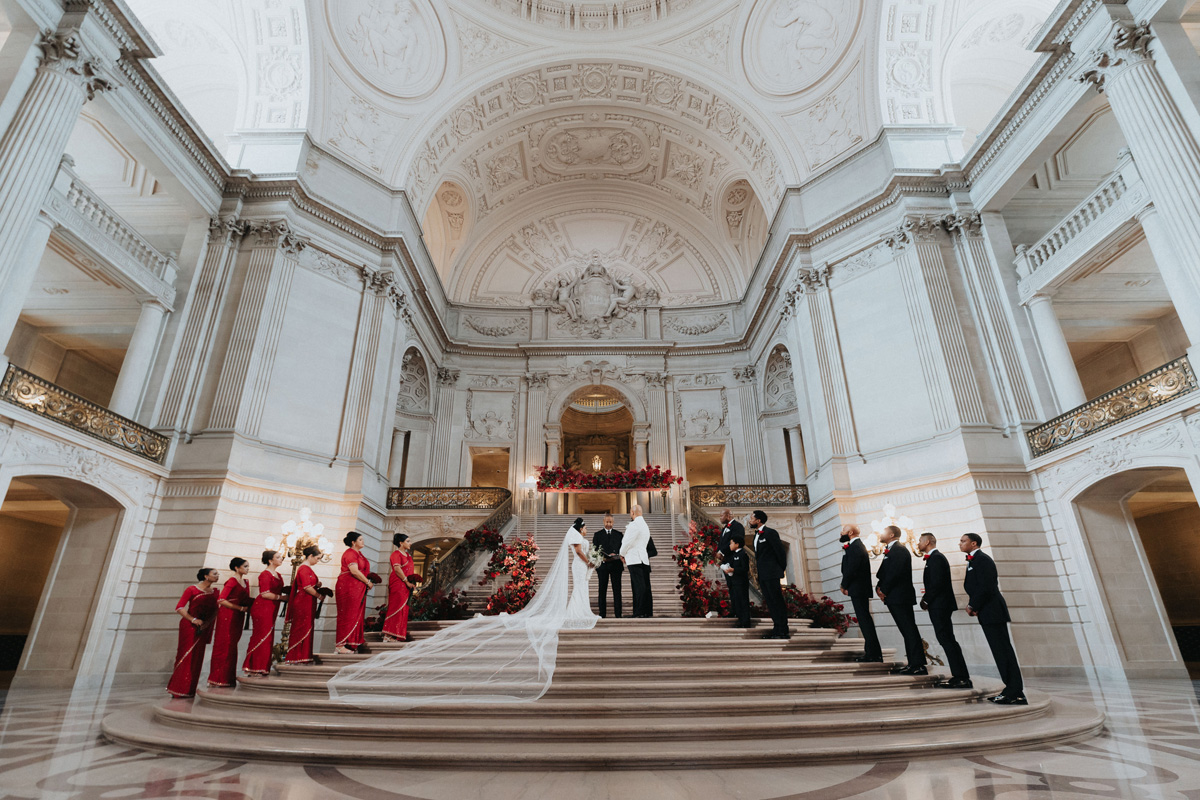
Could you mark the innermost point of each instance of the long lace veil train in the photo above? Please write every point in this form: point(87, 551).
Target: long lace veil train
point(507, 658)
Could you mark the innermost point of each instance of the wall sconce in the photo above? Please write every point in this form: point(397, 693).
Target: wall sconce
point(596, 463)
point(906, 525)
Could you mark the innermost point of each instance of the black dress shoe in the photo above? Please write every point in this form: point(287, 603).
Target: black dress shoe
point(996, 698)
point(1019, 700)
point(956, 683)
point(865, 660)
point(916, 671)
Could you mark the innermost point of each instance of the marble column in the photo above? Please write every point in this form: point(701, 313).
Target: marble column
point(30, 153)
point(1163, 146)
point(659, 446)
point(447, 380)
point(139, 359)
point(535, 430)
point(553, 439)
point(797, 445)
point(1184, 294)
point(16, 291)
point(396, 458)
point(641, 458)
point(1060, 366)
point(753, 460)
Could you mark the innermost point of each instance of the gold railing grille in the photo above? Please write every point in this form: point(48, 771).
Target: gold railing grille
point(446, 497)
point(42, 397)
point(765, 494)
point(1136, 397)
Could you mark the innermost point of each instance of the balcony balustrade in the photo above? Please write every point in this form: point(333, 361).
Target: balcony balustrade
point(1151, 390)
point(42, 397)
point(750, 494)
point(446, 497)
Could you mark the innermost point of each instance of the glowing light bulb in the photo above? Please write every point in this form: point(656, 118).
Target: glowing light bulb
point(872, 540)
point(292, 538)
point(271, 543)
point(906, 523)
point(877, 526)
point(889, 510)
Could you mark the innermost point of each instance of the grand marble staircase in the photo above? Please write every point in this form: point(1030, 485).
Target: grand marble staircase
point(659, 693)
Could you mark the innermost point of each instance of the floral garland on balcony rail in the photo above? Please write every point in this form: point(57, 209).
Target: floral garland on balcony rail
point(554, 477)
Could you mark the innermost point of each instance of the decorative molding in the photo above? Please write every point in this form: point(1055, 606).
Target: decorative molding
point(698, 327)
point(519, 325)
point(414, 384)
point(784, 494)
point(63, 52)
point(1116, 454)
point(1128, 45)
point(745, 374)
point(448, 497)
point(447, 377)
point(779, 385)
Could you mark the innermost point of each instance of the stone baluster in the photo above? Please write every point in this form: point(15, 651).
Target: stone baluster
point(30, 152)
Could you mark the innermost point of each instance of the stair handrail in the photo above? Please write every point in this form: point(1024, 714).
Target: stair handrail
point(448, 568)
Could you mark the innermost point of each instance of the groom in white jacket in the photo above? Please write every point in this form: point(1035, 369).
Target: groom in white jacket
point(633, 556)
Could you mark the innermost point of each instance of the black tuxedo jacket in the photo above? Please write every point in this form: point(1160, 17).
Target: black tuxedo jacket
point(610, 545)
point(983, 589)
point(740, 563)
point(726, 534)
point(895, 577)
point(856, 569)
point(939, 589)
point(770, 555)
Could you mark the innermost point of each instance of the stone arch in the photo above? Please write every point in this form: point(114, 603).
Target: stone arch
point(416, 393)
point(631, 396)
point(1125, 624)
point(745, 220)
point(779, 384)
point(108, 528)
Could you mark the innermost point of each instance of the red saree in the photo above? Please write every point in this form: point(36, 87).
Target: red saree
point(302, 609)
point(351, 596)
point(189, 655)
point(395, 625)
point(227, 633)
point(262, 620)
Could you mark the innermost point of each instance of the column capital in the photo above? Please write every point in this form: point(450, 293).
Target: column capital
point(270, 233)
point(63, 52)
point(745, 374)
point(537, 380)
point(914, 228)
point(657, 380)
point(447, 377)
point(227, 230)
point(968, 223)
point(1128, 45)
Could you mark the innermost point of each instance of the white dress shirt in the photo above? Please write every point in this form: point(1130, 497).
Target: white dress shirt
point(633, 546)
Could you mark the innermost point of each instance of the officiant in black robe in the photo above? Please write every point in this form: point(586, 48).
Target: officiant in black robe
point(608, 540)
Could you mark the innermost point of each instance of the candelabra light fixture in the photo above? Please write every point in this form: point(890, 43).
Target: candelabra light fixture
point(891, 517)
point(596, 463)
point(299, 535)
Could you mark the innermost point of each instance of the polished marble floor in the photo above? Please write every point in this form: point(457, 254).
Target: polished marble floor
point(49, 748)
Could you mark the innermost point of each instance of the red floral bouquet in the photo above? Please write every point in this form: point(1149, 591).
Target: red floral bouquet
point(374, 578)
point(556, 477)
point(483, 538)
point(520, 561)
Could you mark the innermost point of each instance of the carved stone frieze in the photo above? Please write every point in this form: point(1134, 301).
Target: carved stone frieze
point(1117, 454)
point(695, 414)
point(492, 415)
point(698, 326)
point(487, 327)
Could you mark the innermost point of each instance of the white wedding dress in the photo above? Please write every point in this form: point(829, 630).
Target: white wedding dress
point(507, 658)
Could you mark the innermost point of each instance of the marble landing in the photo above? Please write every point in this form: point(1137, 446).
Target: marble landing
point(50, 750)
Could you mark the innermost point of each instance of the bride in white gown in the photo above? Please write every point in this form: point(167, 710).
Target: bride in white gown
point(507, 658)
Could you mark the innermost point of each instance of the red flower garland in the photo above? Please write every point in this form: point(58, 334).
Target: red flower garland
point(518, 560)
point(554, 477)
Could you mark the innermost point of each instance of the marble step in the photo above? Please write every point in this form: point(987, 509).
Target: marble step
point(976, 728)
point(859, 692)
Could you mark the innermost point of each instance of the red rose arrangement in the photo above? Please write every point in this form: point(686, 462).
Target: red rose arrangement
point(482, 538)
point(519, 560)
point(555, 477)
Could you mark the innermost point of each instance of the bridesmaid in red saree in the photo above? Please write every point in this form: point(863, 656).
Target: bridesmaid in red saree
point(350, 592)
point(401, 582)
point(302, 609)
point(262, 615)
point(198, 606)
point(233, 604)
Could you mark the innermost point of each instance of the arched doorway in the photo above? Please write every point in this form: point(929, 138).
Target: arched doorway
point(597, 435)
point(58, 535)
point(1139, 531)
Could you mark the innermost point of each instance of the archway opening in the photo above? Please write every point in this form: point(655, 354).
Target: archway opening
point(59, 534)
point(597, 436)
point(1139, 528)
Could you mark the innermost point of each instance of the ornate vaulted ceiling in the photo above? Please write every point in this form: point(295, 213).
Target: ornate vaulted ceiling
point(661, 134)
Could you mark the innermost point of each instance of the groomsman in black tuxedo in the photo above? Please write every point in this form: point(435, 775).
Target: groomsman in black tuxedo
point(985, 602)
point(941, 604)
point(856, 584)
point(772, 566)
point(895, 589)
point(737, 573)
point(608, 541)
point(729, 527)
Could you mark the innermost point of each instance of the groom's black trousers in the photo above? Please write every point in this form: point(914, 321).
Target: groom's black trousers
point(639, 581)
point(604, 573)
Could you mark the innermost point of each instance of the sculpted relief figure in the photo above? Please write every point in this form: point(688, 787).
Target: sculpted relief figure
point(809, 31)
point(385, 33)
point(596, 301)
